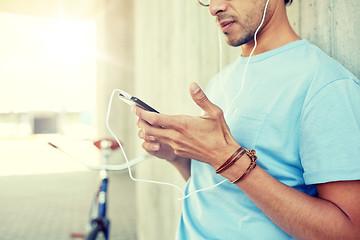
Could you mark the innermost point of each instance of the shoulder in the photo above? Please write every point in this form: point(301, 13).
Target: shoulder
point(324, 71)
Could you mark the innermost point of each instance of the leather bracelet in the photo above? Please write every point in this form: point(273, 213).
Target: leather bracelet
point(251, 167)
point(237, 157)
point(251, 153)
point(232, 159)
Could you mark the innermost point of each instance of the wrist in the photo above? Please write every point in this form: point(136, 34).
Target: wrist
point(183, 165)
point(225, 154)
point(238, 165)
point(176, 159)
point(238, 168)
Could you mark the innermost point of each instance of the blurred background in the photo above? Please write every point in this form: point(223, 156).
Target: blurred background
point(59, 63)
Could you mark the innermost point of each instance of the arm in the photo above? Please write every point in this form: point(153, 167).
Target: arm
point(334, 215)
point(183, 165)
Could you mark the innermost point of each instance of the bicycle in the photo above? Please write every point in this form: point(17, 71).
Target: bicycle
point(99, 223)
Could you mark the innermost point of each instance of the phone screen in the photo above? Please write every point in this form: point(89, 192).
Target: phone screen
point(134, 100)
point(143, 105)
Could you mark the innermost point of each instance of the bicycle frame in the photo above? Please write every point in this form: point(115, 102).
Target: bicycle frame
point(99, 224)
point(98, 217)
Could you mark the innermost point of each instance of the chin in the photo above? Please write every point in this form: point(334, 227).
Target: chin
point(236, 42)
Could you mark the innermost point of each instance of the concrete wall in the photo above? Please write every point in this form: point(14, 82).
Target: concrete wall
point(176, 42)
point(115, 32)
point(333, 26)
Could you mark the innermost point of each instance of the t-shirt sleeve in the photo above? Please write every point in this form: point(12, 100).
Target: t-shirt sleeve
point(330, 134)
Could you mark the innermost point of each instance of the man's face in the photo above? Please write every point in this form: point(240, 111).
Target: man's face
point(238, 19)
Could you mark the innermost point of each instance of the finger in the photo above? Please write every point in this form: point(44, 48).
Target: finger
point(142, 133)
point(157, 119)
point(151, 133)
point(142, 123)
point(201, 99)
point(146, 137)
point(151, 147)
point(156, 134)
point(159, 134)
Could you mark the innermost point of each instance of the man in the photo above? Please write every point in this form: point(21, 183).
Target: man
point(296, 107)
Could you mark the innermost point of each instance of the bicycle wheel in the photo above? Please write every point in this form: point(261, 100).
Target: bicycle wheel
point(96, 233)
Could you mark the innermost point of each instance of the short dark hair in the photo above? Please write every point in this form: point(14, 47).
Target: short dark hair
point(288, 2)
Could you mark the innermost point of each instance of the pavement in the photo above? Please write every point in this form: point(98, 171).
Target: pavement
point(50, 198)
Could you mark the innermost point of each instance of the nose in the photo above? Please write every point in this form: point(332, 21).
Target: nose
point(217, 6)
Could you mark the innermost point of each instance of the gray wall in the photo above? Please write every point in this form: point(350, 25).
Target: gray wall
point(115, 21)
point(176, 42)
point(332, 25)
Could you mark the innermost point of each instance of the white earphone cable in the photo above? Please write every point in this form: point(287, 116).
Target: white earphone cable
point(226, 99)
point(220, 70)
point(123, 151)
point(128, 164)
point(251, 53)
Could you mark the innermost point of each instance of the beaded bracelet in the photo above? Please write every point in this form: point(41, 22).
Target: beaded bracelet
point(251, 153)
point(232, 159)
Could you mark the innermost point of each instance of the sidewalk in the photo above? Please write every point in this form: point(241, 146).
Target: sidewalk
point(44, 195)
point(46, 207)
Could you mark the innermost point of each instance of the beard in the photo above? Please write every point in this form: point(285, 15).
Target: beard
point(240, 40)
point(246, 27)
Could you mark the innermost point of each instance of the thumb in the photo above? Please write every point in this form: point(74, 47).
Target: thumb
point(200, 98)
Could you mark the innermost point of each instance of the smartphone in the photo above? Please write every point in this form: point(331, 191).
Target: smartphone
point(131, 100)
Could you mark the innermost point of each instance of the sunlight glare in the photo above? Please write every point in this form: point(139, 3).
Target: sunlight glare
point(65, 42)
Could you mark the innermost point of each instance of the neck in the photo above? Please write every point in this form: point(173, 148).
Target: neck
point(275, 33)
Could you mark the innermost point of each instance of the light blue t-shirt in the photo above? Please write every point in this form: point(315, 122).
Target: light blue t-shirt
point(300, 110)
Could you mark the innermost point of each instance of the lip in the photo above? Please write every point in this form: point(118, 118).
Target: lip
point(225, 25)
